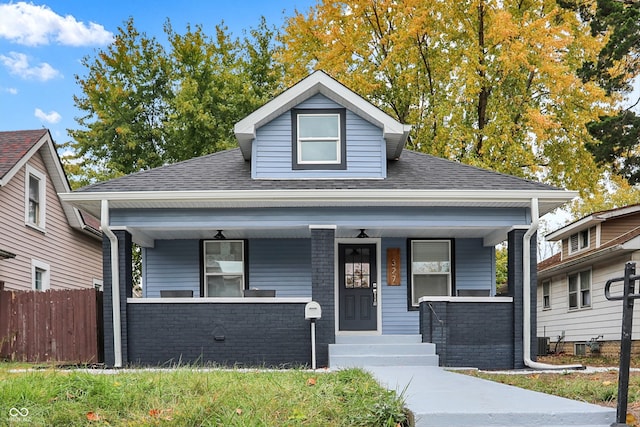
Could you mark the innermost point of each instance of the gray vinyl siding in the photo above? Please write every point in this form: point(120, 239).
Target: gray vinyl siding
point(475, 265)
point(281, 264)
point(396, 318)
point(172, 265)
point(355, 217)
point(272, 148)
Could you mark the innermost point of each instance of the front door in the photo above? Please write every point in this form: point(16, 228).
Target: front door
point(357, 293)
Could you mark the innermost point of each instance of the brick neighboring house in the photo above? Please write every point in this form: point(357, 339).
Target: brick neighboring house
point(321, 201)
point(572, 311)
point(45, 243)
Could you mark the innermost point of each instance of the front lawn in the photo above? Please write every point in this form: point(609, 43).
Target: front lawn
point(185, 396)
point(600, 388)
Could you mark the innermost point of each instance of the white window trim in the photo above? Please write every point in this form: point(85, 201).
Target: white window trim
point(579, 291)
point(42, 196)
point(337, 141)
point(548, 283)
point(449, 274)
point(580, 248)
point(46, 276)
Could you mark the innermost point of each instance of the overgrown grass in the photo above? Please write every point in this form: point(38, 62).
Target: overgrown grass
point(193, 397)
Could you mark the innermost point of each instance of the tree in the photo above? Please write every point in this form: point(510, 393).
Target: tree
point(126, 98)
point(147, 105)
point(492, 84)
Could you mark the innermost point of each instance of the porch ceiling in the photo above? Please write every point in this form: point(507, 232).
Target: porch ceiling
point(145, 236)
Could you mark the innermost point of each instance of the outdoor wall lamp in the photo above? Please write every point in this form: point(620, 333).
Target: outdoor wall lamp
point(219, 235)
point(362, 234)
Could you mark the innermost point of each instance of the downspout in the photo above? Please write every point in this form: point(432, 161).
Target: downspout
point(115, 284)
point(526, 289)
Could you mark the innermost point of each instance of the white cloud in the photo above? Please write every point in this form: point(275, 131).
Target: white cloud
point(10, 90)
point(18, 64)
point(32, 25)
point(52, 117)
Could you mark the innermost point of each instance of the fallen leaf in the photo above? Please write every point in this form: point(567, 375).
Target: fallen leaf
point(155, 412)
point(631, 420)
point(311, 381)
point(92, 416)
point(239, 411)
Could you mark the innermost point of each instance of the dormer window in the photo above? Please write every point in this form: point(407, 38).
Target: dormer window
point(579, 241)
point(318, 139)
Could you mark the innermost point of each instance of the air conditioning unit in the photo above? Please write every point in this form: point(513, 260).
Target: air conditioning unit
point(544, 343)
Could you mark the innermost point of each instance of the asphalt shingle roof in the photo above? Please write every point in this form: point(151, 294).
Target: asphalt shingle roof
point(14, 145)
point(227, 170)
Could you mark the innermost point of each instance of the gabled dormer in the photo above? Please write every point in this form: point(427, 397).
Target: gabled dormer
point(320, 129)
point(598, 231)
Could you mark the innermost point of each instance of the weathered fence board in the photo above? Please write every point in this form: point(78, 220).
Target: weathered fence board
point(56, 325)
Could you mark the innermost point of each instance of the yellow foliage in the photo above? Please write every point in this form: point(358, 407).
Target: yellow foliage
point(485, 82)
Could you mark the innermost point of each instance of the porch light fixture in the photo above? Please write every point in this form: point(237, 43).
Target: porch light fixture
point(362, 234)
point(219, 235)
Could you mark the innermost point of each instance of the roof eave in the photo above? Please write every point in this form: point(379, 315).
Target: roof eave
point(548, 199)
point(568, 230)
point(574, 263)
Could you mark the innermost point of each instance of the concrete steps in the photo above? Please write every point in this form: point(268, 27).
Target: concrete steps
point(360, 351)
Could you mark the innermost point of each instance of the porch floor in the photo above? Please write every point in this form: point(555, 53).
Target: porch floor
point(440, 398)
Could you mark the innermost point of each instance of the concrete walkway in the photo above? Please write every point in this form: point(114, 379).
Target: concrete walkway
point(440, 398)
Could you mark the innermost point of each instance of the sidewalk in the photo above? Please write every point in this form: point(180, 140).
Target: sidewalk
point(440, 398)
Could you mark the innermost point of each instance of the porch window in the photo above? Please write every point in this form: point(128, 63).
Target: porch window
point(580, 290)
point(430, 269)
point(224, 268)
point(318, 140)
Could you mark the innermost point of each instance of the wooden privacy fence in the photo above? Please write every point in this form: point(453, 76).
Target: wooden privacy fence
point(56, 325)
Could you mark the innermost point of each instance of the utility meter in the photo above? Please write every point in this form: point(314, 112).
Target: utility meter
point(312, 311)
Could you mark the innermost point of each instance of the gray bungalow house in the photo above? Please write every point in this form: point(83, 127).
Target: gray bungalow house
point(320, 202)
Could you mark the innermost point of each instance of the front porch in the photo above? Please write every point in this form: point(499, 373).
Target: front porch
point(272, 331)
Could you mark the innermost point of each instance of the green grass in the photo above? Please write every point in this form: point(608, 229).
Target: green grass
point(192, 397)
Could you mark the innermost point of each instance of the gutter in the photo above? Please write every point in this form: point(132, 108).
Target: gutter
point(115, 283)
point(526, 301)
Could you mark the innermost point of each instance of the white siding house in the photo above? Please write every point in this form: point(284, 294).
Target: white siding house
point(572, 309)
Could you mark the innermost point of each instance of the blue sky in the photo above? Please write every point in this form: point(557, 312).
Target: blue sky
point(42, 43)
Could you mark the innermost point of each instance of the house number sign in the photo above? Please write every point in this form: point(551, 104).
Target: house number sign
point(393, 266)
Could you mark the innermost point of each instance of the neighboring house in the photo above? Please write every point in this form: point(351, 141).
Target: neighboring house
point(573, 312)
point(44, 242)
point(320, 202)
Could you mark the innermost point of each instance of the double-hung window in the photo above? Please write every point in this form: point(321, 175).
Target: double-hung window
point(318, 140)
point(546, 294)
point(35, 198)
point(430, 269)
point(224, 268)
point(580, 290)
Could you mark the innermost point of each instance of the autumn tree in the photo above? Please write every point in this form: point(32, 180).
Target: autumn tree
point(488, 83)
point(148, 103)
